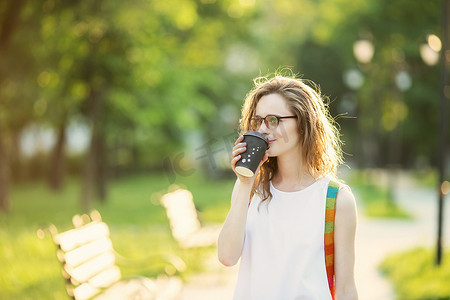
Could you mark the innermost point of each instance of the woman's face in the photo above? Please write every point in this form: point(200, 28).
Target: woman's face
point(285, 137)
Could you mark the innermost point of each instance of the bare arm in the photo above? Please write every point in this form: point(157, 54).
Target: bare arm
point(344, 243)
point(231, 237)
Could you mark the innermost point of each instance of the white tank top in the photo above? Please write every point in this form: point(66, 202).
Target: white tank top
point(283, 255)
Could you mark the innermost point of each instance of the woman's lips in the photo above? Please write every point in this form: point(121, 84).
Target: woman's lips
point(271, 141)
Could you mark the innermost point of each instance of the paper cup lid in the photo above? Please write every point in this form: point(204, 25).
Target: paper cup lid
point(257, 134)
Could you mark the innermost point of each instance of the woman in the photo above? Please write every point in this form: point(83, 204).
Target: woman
point(276, 220)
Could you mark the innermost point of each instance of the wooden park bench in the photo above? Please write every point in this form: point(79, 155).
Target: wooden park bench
point(89, 265)
point(184, 223)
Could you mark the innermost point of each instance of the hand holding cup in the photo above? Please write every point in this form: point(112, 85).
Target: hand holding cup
point(249, 153)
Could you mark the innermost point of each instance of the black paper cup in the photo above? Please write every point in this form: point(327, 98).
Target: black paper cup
point(257, 144)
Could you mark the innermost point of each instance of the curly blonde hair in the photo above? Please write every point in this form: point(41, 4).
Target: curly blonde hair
point(319, 135)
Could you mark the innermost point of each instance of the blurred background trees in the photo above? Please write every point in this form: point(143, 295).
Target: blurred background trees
point(101, 89)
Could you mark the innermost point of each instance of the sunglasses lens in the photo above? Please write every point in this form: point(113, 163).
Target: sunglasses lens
point(273, 122)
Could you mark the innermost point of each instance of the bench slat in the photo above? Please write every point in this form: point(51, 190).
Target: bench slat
point(88, 258)
point(106, 278)
point(85, 291)
point(84, 253)
point(181, 212)
point(80, 236)
point(184, 223)
point(92, 267)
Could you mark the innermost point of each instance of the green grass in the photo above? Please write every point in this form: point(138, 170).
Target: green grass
point(415, 275)
point(377, 201)
point(138, 224)
point(427, 177)
point(139, 228)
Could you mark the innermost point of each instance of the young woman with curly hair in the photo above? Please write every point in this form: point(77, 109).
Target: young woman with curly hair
point(276, 224)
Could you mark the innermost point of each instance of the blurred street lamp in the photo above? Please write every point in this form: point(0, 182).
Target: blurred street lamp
point(430, 55)
point(363, 50)
point(443, 121)
point(403, 81)
point(394, 123)
point(354, 79)
point(429, 51)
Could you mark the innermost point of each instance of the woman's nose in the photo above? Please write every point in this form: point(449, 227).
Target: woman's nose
point(263, 128)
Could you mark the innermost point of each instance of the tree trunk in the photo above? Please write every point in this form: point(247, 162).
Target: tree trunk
point(7, 28)
point(88, 177)
point(101, 166)
point(10, 22)
point(4, 173)
point(89, 162)
point(91, 174)
point(56, 174)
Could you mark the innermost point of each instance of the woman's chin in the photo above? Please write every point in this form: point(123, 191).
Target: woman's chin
point(271, 153)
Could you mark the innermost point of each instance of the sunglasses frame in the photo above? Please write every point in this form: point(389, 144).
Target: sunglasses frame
point(278, 118)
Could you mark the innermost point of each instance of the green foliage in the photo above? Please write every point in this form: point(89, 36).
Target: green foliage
point(377, 200)
point(139, 228)
point(415, 275)
point(164, 69)
point(144, 76)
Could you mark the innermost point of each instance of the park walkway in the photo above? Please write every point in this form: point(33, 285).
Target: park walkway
point(375, 239)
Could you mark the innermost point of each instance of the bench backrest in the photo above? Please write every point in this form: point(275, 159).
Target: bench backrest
point(181, 212)
point(88, 259)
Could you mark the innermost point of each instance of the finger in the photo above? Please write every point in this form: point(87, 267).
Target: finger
point(239, 139)
point(234, 161)
point(239, 150)
point(239, 146)
point(236, 158)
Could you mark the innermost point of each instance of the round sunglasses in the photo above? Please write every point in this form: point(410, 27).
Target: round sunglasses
point(271, 121)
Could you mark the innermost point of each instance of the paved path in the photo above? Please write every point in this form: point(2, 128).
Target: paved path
point(375, 239)
point(215, 284)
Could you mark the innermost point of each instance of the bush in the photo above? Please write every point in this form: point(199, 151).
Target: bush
point(415, 275)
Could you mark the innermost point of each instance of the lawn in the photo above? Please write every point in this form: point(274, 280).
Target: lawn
point(138, 225)
point(371, 189)
point(415, 275)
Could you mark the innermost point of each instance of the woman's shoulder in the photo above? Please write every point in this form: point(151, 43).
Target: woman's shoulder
point(345, 202)
point(340, 183)
point(345, 199)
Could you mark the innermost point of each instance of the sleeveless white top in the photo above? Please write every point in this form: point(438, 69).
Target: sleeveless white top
point(283, 255)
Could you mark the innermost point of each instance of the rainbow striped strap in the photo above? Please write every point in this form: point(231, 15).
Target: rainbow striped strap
point(330, 212)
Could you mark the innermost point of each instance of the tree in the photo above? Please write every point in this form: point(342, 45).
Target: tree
point(15, 99)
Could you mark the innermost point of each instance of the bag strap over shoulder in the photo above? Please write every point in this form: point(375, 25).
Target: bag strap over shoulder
point(330, 212)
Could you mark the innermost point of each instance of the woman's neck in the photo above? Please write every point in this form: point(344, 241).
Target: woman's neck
point(291, 171)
